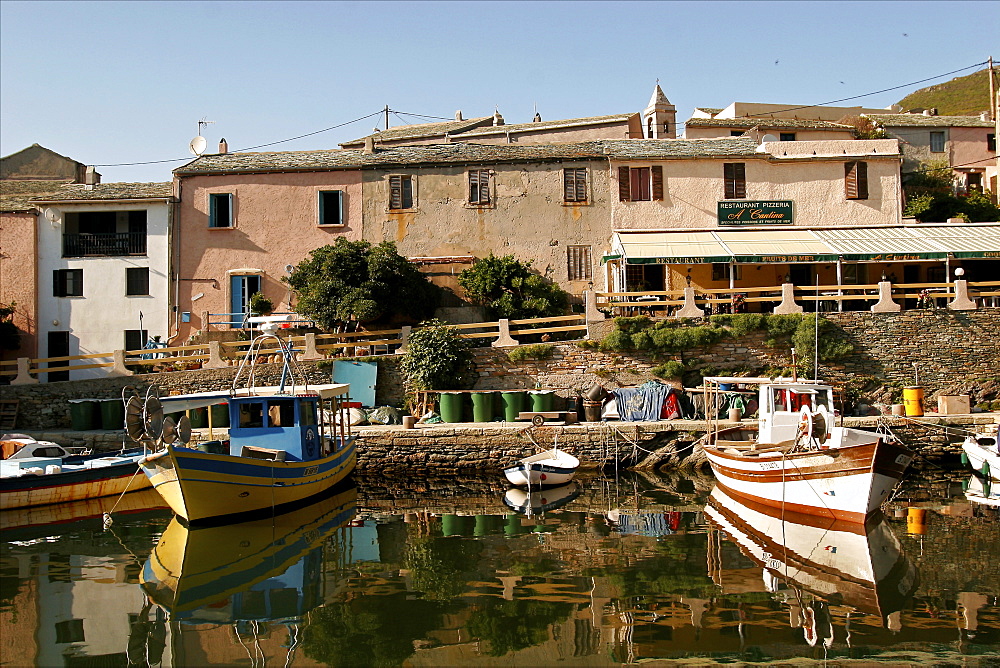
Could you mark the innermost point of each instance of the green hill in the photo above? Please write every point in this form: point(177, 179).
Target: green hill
point(962, 96)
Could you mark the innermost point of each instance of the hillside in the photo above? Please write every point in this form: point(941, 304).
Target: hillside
point(962, 96)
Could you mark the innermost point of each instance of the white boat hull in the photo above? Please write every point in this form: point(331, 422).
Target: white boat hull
point(848, 483)
point(548, 469)
point(983, 459)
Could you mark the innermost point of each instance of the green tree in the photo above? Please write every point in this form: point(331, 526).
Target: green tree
point(10, 335)
point(355, 281)
point(437, 358)
point(507, 288)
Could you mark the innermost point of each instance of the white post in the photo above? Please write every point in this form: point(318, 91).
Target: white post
point(119, 368)
point(215, 360)
point(405, 335)
point(504, 339)
point(787, 304)
point(885, 303)
point(690, 309)
point(23, 377)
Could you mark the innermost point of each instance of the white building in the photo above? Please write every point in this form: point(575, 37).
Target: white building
point(103, 269)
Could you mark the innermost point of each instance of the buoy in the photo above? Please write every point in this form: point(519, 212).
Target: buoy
point(986, 470)
point(965, 459)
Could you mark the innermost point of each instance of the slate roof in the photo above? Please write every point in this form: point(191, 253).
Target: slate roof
point(108, 191)
point(543, 125)
point(919, 120)
point(776, 123)
point(709, 110)
point(463, 153)
point(15, 195)
point(420, 131)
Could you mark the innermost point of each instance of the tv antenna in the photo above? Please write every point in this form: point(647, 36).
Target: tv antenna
point(199, 143)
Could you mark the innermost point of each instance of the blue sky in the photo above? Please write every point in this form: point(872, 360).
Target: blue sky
point(120, 82)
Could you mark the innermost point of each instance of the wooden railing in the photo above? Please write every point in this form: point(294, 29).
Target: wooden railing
point(313, 346)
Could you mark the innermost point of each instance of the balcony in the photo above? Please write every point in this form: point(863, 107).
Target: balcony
point(104, 245)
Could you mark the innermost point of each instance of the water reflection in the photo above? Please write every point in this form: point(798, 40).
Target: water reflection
point(434, 572)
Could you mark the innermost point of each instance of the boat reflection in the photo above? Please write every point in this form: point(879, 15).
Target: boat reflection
point(536, 501)
point(265, 570)
point(811, 563)
point(982, 490)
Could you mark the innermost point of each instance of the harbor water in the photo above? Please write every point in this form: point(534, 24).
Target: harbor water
point(609, 570)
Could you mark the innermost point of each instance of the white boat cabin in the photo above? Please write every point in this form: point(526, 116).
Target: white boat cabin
point(781, 407)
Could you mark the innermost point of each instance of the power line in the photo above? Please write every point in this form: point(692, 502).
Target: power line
point(946, 167)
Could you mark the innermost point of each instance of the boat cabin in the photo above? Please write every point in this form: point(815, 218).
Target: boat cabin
point(278, 427)
point(781, 407)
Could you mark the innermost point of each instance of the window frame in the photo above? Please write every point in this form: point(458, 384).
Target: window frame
point(647, 180)
point(142, 334)
point(396, 182)
point(64, 279)
point(480, 187)
point(213, 210)
point(322, 204)
point(786, 136)
point(991, 141)
point(575, 186)
point(579, 262)
point(734, 177)
point(856, 180)
point(935, 137)
point(143, 282)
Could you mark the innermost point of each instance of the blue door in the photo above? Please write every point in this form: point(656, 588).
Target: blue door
point(241, 288)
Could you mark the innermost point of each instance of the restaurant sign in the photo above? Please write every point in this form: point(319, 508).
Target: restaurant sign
point(764, 212)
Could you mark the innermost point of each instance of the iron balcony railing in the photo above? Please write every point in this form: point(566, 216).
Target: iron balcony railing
point(120, 243)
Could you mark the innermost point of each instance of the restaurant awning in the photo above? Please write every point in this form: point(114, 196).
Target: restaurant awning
point(789, 245)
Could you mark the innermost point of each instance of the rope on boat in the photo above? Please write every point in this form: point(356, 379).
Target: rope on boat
point(107, 515)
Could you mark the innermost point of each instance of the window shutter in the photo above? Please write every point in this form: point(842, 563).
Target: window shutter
point(862, 180)
point(479, 186)
point(58, 289)
point(735, 176)
point(579, 265)
point(623, 184)
point(395, 192)
point(856, 180)
point(581, 185)
point(657, 174)
point(569, 185)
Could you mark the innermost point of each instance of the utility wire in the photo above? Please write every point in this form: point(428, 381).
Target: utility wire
point(947, 167)
point(249, 148)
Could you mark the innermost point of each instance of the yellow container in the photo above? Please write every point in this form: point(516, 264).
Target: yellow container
point(913, 401)
point(916, 521)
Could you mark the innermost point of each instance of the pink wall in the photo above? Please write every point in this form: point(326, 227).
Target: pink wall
point(19, 277)
point(968, 147)
point(275, 223)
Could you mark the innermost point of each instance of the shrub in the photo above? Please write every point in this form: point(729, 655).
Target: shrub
point(535, 351)
point(670, 370)
point(437, 358)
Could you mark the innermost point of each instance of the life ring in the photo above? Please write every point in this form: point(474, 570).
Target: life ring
point(805, 430)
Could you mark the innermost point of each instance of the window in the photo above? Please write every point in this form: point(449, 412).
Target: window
point(721, 271)
point(575, 185)
point(786, 136)
point(135, 339)
point(70, 630)
point(640, 184)
point(479, 186)
point(137, 281)
point(856, 180)
point(58, 346)
point(400, 192)
point(331, 207)
point(735, 175)
point(281, 413)
point(991, 142)
point(220, 210)
point(737, 133)
point(241, 289)
point(67, 283)
point(937, 142)
point(579, 264)
point(252, 415)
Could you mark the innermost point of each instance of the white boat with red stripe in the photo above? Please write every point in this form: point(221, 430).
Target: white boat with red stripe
point(796, 458)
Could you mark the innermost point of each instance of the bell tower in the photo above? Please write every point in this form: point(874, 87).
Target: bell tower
point(659, 119)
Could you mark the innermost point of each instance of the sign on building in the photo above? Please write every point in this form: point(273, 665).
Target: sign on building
point(765, 212)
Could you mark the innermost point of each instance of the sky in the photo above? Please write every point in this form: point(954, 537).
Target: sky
point(107, 83)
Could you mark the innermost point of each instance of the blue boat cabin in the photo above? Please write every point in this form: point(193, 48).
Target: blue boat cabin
point(283, 428)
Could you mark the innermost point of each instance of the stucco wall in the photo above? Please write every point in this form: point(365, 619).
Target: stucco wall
point(696, 132)
point(97, 320)
point(692, 188)
point(275, 223)
point(968, 147)
point(528, 217)
point(571, 134)
point(19, 278)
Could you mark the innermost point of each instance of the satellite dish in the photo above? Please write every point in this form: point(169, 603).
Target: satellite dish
point(198, 145)
point(768, 138)
point(52, 215)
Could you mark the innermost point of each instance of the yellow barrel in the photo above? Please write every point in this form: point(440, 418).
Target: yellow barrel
point(913, 401)
point(915, 521)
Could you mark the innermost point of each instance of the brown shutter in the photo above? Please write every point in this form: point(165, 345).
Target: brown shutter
point(395, 192)
point(581, 185)
point(735, 177)
point(657, 173)
point(851, 180)
point(862, 179)
point(569, 185)
point(623, 184)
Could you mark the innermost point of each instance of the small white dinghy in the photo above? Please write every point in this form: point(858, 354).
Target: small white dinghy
point(546, 469)
point(982, 453)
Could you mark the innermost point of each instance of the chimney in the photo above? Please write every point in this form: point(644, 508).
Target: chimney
point(223, 146)
point(91, 178)
point(458, 115)
point(537, 118)
point(369, 145)
point(984, 116)
point(928, 112)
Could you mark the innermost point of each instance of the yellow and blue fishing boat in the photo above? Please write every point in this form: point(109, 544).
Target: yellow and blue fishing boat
point(288, 444)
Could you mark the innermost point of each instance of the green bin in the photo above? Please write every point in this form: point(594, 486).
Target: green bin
point(450, 406)
point(457, 525)
point(220, 415)
point(198, 417)
point(482, 406)
point(513, 403)
point(84, 415)
point(542, 400)
point(112, 414)
point(488, 524)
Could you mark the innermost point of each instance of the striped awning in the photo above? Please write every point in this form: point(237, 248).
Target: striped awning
point(789, 245)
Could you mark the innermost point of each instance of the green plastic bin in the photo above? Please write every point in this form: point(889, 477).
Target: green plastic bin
point(513, 403)
point(488, 524)
point(112, 414)
point(198, 417)
point(84, 415)
point(482, 406)
point(450, 406)
point(542, 400)
point(220, 415)
point(458, 525)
